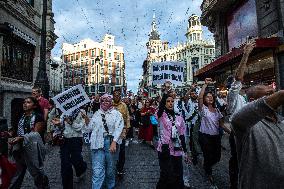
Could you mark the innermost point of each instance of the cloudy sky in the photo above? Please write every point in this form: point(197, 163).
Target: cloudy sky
point(128, 20)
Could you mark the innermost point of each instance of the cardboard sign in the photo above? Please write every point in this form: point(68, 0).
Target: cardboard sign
point(71, 99)
point(168, 71)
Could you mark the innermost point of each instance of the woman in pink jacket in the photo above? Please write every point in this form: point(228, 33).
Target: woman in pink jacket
point(171, 145)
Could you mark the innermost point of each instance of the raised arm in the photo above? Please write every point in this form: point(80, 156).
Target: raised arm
point(201, 94)
point(239, 76)
point(255, 111)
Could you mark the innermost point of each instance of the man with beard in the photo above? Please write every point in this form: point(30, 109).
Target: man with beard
point(122, 108)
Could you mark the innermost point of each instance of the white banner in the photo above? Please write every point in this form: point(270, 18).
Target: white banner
point(71, 99)
point(167, 71)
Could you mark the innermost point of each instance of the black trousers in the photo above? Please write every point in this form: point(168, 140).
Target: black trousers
point(211, 148)
point(121, 158)
point(71, 155)
point(233, 164)
point(171, 170)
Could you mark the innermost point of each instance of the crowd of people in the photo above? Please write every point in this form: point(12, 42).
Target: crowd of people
point(180, 129)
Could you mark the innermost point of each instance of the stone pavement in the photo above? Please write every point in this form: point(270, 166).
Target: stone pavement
point(142, 169)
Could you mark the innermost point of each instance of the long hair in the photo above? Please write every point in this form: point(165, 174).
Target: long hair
point(37, 108)
point(214, 99)
point(162, 105)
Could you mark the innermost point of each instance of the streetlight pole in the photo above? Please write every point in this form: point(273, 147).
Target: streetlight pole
point(97, 61)
point(41, 78)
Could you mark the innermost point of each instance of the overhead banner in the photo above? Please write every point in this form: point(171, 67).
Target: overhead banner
point(71, 99)
point(167, 71)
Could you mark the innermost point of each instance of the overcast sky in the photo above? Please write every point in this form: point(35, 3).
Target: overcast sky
point(128, 20)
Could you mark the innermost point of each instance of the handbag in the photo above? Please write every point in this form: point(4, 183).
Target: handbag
point(58, 139)
point(153, 120)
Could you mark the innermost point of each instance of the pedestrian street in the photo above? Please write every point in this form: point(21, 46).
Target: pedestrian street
point(141, 167)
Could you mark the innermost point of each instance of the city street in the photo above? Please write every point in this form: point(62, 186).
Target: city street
point(142, 169)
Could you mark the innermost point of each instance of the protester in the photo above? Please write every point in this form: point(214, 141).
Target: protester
point(43, 102)
point(193, 120)
point(209, 137)
point(122, 108)
point(95, 103)
point(171, 145)
point(260, 140)
point(146, 130)
point(71, 149)
point(28, 148)
point(236, 102)
point(106, 126)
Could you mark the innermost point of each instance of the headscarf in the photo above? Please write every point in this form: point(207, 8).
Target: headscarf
point(108, 98)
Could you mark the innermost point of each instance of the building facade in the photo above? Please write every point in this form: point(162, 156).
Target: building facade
point(195, 53)
point(56, 76)
point(20, 40)
point(98, 66)
point(233, 24)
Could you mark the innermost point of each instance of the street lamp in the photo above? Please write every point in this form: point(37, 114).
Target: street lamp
point(97, 61)
point(41, 78)
point(54, 65)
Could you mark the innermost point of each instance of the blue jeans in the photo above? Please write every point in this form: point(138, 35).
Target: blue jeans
point(103, 163)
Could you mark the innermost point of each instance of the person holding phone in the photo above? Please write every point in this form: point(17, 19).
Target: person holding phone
point(211, 121)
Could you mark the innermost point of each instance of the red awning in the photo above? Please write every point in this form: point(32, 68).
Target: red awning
point(236, 52)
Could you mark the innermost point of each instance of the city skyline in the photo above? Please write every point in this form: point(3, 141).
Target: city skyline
point(129, 22)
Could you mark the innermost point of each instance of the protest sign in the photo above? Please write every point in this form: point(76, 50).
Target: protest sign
point(167, 71)
point(71, 99)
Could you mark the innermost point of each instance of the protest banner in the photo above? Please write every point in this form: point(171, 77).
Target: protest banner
point(71, 99)
point(167, 71)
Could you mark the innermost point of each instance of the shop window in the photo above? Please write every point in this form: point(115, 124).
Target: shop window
point(17, 60)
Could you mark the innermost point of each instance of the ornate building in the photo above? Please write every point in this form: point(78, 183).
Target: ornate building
point(20, 40)
point(195, 53)
point(233, 24)
point(100, 67)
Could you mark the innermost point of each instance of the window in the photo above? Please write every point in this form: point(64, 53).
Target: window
point(93, 70)
point(87, 53)
point(93, 79)
point(77, 57)
point(117, 81)
point(93, 62)
point(72, 58)
point(109, 55)
point(93, 53)
point(102, 79)
point(85, 45)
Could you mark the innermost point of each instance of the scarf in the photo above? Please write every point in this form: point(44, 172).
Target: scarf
point(26, 124)
point(105, 107)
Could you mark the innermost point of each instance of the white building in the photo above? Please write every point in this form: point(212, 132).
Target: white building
point(56, 75)
point(195, 52)
point(99, 66)
point(20, 41)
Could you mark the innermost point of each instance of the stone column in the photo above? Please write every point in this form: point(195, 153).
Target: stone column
point(1, 86)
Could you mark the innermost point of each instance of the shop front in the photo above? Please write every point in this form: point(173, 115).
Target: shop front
point(233, 23)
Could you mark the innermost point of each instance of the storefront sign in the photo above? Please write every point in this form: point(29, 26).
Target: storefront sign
point(71, 99)
point(168, 71)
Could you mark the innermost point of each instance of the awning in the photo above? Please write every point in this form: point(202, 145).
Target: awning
point(237, 52)
point(21, 34)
